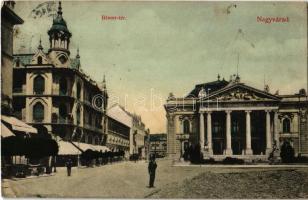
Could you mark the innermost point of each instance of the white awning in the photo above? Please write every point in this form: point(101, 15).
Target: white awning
point(101, 148)
point(85, 146)
point(18, 125)
point(66, 148)
point(5, 131)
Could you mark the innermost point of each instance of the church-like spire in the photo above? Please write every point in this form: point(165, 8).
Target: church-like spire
point(78, 56)
point(40, 47)
point(104, 83)
point(60, 9)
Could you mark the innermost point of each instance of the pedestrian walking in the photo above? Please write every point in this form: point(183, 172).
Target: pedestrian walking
point(152, 168)
point(69, 167)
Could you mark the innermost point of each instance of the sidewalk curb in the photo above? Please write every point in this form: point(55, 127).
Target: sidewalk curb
point(151, 193)
point(242, 166)
point(30, 177)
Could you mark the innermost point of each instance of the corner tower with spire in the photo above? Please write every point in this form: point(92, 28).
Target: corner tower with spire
point(59, 39)
point(59, 97)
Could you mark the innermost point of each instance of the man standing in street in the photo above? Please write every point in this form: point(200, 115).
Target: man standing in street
point(152, 168)
point(69, 167)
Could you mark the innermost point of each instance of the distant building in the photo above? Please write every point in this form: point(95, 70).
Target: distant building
point(8, 20)
point(158, 144)
point(118, 129)
point(51, 91)
point(138, 136)
point(126, 131)
point(230, 118)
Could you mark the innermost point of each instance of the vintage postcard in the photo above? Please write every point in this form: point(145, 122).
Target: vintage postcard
point(146, 99)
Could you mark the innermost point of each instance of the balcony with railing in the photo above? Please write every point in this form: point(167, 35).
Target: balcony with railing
point(59, 92)
point(61, 120)
point(93, 128)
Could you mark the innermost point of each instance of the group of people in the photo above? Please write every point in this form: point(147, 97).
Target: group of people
point(151, 169)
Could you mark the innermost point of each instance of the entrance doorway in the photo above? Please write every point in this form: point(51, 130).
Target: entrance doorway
point(218, 132)
point(258, 132)
point(238, 129)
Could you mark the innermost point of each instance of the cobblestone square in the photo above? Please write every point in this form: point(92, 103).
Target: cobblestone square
point(130, 180)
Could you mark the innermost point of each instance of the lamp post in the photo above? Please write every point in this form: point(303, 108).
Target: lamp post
point(55, 160)
point(148, 144)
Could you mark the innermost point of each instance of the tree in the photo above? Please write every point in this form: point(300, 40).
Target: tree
point(13, 146)
point(38, 147)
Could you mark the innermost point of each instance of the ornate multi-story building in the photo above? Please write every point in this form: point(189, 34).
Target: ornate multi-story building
point(230, 118)
point(51, 91)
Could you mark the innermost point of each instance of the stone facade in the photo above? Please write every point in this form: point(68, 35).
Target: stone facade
point(52, 93)
point(8, 20)
point(229, 118)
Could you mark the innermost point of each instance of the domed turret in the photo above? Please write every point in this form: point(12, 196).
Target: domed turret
point(59, 35)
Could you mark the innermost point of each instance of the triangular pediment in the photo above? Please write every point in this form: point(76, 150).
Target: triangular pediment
point(241, 92)
point(44, 58)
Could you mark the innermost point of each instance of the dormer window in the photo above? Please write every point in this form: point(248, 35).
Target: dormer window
point(39, 60)
point(17, 62)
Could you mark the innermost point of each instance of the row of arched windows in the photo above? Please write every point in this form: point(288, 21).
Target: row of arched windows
point(39, 86)
point(38, 112)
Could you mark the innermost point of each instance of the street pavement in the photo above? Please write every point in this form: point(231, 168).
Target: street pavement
point(122, 180)
point(118, 180)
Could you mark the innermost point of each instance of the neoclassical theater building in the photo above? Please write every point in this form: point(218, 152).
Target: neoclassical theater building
point(232, 119)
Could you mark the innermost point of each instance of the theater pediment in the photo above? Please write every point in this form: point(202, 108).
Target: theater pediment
point(241, 92)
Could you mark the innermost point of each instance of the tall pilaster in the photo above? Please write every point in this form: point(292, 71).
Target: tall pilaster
point(276, 128)
point(171, 139)
point(268, 132)
point(209, 133)
point(248, 150)
point(201, 130)
point(228, 133)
